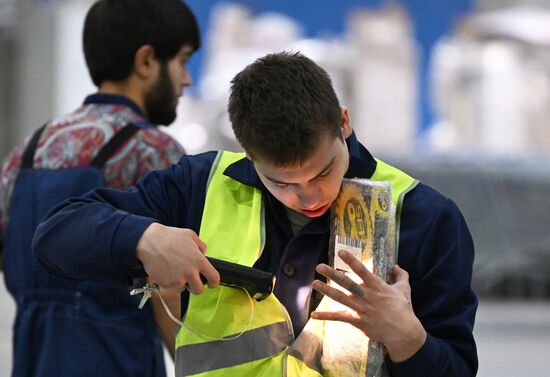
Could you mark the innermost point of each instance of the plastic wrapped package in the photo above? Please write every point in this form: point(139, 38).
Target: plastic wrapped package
point(363, 223)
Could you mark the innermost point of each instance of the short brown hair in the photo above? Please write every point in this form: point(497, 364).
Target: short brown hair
point(281, 105)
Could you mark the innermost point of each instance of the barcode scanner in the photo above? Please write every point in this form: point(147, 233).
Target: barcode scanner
point(259, 284)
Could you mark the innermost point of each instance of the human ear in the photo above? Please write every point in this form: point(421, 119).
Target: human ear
point(145, 62)
point(345, 122)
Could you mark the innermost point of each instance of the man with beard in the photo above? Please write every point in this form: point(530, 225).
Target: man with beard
point(137, 54)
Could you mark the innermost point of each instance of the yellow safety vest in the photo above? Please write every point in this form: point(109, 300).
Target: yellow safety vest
point(233, 228)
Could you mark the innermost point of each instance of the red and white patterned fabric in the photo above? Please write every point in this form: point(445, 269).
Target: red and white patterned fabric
point(73, 140)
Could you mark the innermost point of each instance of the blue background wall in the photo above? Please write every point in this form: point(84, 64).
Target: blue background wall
point(431, 19)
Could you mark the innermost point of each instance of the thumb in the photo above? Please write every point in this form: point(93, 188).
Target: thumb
point(400, 275)
point(202, 246)
point(200, 243)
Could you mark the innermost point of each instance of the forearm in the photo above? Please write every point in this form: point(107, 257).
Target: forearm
point(167, 327)
point(87, 239)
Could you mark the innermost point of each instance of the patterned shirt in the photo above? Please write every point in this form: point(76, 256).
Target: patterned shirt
point(73, 140)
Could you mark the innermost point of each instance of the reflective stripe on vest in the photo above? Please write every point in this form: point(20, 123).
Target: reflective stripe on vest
point(233, 228)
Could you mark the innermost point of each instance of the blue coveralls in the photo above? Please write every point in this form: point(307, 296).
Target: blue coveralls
point(69, 327)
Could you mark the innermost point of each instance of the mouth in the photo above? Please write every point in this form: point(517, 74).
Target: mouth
point(315, 212)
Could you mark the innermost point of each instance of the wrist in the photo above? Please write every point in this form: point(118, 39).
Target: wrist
point(145, 245)
point(408, 344)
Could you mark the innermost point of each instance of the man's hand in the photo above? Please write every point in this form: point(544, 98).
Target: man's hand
point(174, 258)
point(382, 311)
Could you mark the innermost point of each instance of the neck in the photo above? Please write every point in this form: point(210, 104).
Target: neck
point(123, 89)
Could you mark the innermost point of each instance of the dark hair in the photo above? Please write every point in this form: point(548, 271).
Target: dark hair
point(115, 29)
point(281, 105)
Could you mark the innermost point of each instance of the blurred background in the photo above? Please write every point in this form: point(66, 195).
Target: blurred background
point(462, 87)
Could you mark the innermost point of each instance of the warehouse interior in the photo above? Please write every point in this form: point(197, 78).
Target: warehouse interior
point(463, 85)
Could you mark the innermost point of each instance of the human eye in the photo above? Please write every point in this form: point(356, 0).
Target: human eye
point(281, 185)
point(184, 60)
point(325, 173)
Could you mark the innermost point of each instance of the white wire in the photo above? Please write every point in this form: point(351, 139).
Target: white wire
point(148, 288)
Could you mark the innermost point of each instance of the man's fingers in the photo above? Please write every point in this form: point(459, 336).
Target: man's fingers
point(341, 279)
point(357, 266)
point(400, 275)
point(211, 275)
point(195, 285)
point(200, 244)
point(342, 316)
point(337, 295)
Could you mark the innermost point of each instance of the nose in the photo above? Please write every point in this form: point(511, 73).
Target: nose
point(309, 197)
point(186, 79)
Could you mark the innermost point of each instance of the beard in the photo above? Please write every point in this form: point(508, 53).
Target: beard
point(161, 100)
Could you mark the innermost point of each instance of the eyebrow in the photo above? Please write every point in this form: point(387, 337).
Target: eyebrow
point(324, 170)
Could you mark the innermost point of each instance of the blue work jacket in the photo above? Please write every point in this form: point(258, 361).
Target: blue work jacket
point(101, 230)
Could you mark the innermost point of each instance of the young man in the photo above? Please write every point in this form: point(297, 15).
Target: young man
point(136, 53)
point(270, 209)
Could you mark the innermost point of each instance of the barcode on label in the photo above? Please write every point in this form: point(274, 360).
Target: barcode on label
point(353, 242)
point(352, 245)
